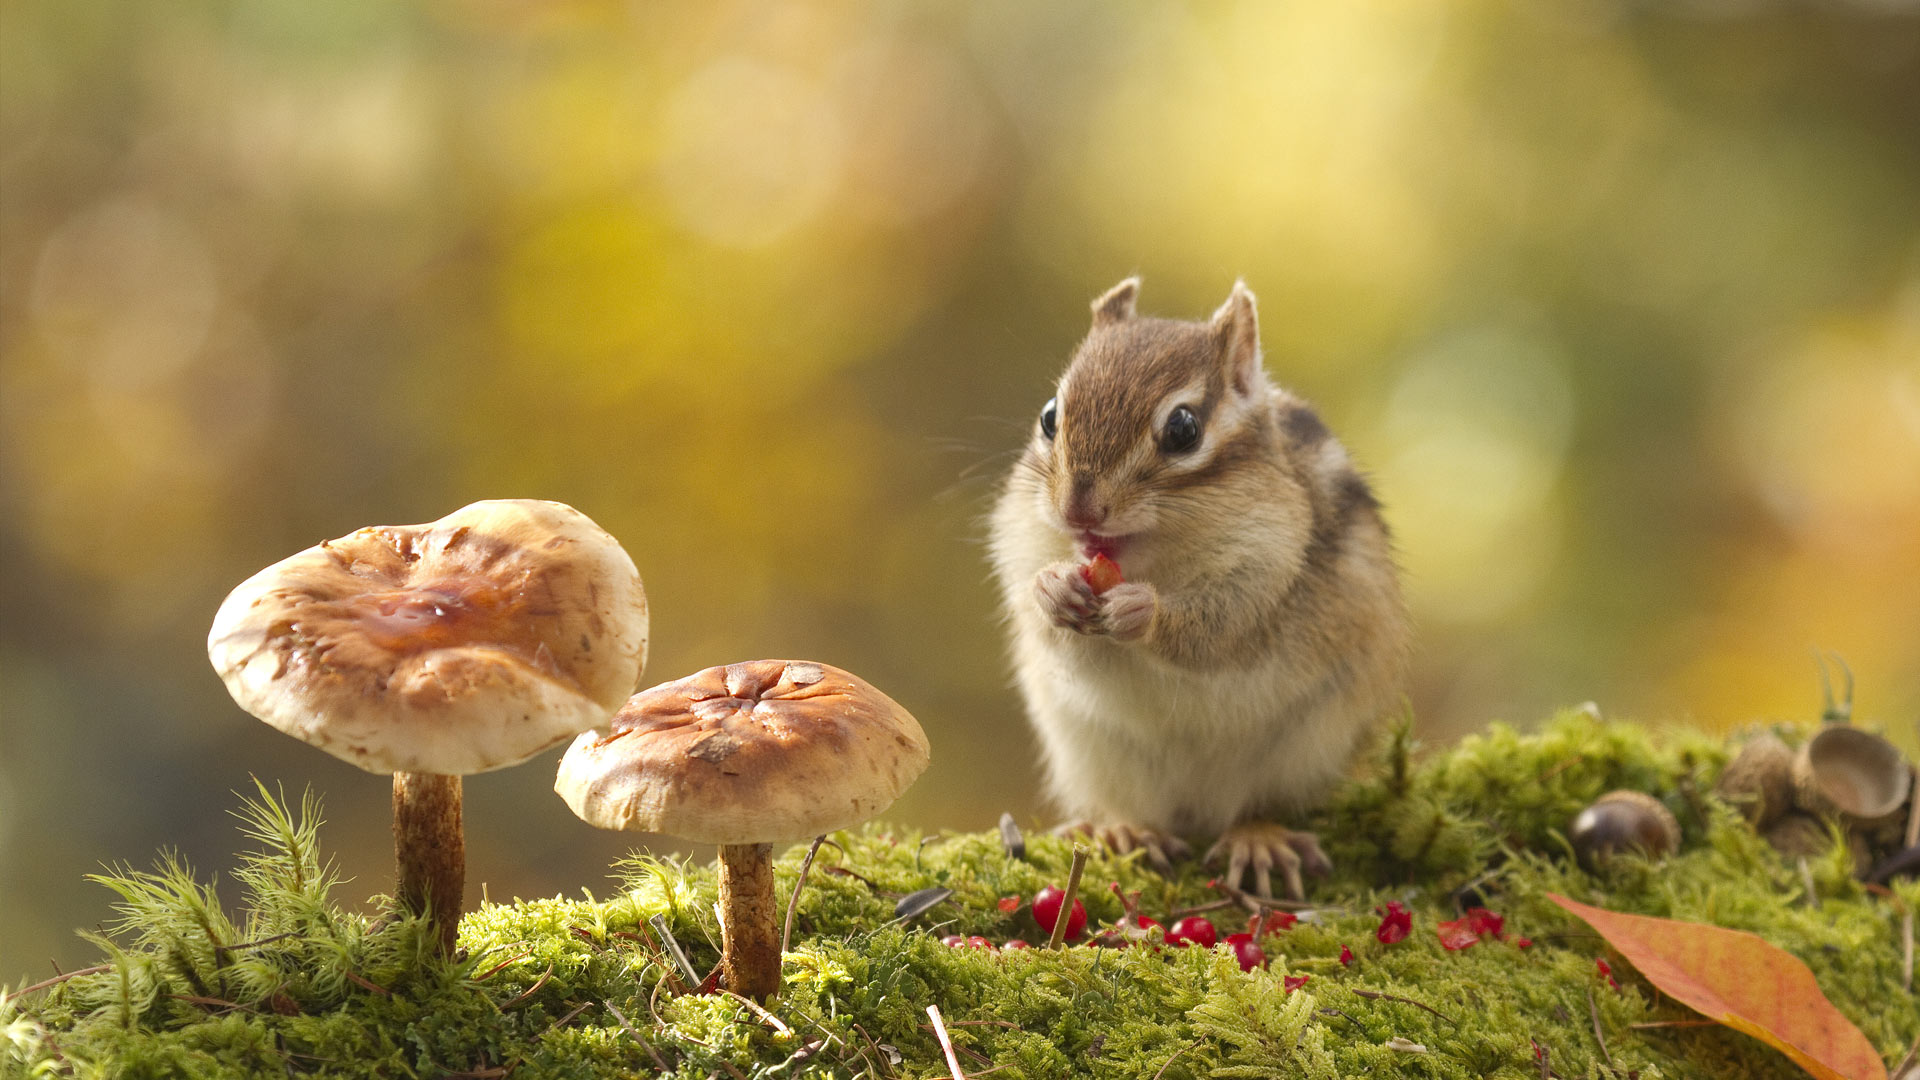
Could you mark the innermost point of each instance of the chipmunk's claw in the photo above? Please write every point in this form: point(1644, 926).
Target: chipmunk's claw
point(1122, 838)
point(1260, 846)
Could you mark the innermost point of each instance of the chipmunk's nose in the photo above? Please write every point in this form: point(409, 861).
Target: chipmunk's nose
point(1083, 512)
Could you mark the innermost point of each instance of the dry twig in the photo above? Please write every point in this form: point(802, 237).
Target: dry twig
point(1375, 995)
point(644, 1044)
point(57, 980)
point(1593, 1008)
point(1169, 1062)
point(933, 1011)
point(772, 1020)
point(793, 901)
point(1059, 938)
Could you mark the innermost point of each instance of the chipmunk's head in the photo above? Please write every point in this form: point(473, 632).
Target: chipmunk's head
point(1149, 412)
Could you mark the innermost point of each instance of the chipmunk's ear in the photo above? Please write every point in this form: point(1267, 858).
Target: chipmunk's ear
point(1236, 333)
point(1117, 304)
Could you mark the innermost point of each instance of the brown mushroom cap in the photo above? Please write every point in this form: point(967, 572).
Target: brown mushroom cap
point(767, 751)
point(458, 646)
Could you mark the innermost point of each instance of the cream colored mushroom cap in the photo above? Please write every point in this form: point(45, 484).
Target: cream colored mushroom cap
point(768, 751)
point(462, 645)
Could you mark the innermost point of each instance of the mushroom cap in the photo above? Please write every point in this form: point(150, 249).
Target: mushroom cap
point(767, 751)
point(465, 644)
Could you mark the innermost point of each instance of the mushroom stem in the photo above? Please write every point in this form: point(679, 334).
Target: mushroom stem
point(749, 936)
point(430, 849)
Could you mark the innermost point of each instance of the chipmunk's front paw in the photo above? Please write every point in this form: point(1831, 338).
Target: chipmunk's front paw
point(1127, 610)
point(1067, 598)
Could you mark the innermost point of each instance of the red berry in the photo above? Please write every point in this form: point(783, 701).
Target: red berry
point(1193, 930)
point(1101, 573)
point(1395, 923)
point(1346, 956)
point(1294, 982)
point(953, 940)
point(1046, 912)
point(979, 942)
point(1010, 904)
point(1016, 943)
point(1247, 951)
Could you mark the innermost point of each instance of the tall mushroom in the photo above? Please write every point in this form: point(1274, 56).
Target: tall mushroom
point(746, 756)
point(432, 651)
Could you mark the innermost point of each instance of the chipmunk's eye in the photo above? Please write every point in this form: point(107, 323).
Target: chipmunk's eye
point(1050, 418)
point(1182, 432)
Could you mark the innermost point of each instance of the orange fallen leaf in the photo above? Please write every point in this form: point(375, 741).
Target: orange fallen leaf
point(1743, 981)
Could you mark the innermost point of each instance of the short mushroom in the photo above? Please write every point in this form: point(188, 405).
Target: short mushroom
point(432, 651)
point(746, 756)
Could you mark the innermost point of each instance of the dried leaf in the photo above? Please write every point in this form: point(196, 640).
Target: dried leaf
point(1742, 981)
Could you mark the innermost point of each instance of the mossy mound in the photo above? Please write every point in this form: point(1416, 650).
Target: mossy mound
point(559, 988)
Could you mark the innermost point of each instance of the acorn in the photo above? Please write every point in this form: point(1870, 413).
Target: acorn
point(1799, 834)
point(1855, 773)
point(1620, 821)
point(1759, 780)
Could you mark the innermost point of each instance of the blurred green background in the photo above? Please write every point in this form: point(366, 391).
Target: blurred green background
point(1619, 302)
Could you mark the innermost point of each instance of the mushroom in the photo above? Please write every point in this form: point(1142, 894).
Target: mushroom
point(432, 651)
point(1620, 820)
point(746, 756)
point(1852, 772)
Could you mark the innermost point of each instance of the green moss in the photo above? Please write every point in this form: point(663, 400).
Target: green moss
point(292, 984)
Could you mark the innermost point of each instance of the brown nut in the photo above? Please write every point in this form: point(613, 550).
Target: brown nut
point(1849, 771)
point(1799, 834)
point(1759, 780)
point(1620, 821)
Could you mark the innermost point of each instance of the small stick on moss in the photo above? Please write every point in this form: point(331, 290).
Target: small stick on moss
point(793, 901)
point(567, 1019)
point(1906, 947)
point(1905, 1070)
point(363, 981)
point(56, 980)
point(501, 966)
point(1375, 995)
point(933, 1011)
point(1806, 879)
point(1541, 1053)
point(1593, 1008)
point(772, 1020)
point(1650, 1024)
point(659, 924)
point(1176, 1054)
point(644, 1044)
point(529, 991)
point(1058, 940)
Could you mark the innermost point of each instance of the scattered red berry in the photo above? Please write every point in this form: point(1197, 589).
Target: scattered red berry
point(1016, 943)
point(1046, 912)
point(979, 942)
point(1295, 982)
point(1456, 934)
point(1606, 971)
point(1193, 930)
point(1346, 956)
point(1485, 923)
point(1247, 951)
point(1101, 573)
point(1395, 923)
point(1274, 922)
point(1523, 943)
point(1009, 904)
point(953, 941)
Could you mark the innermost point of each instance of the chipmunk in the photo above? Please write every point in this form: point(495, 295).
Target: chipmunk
point(1259, 631)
